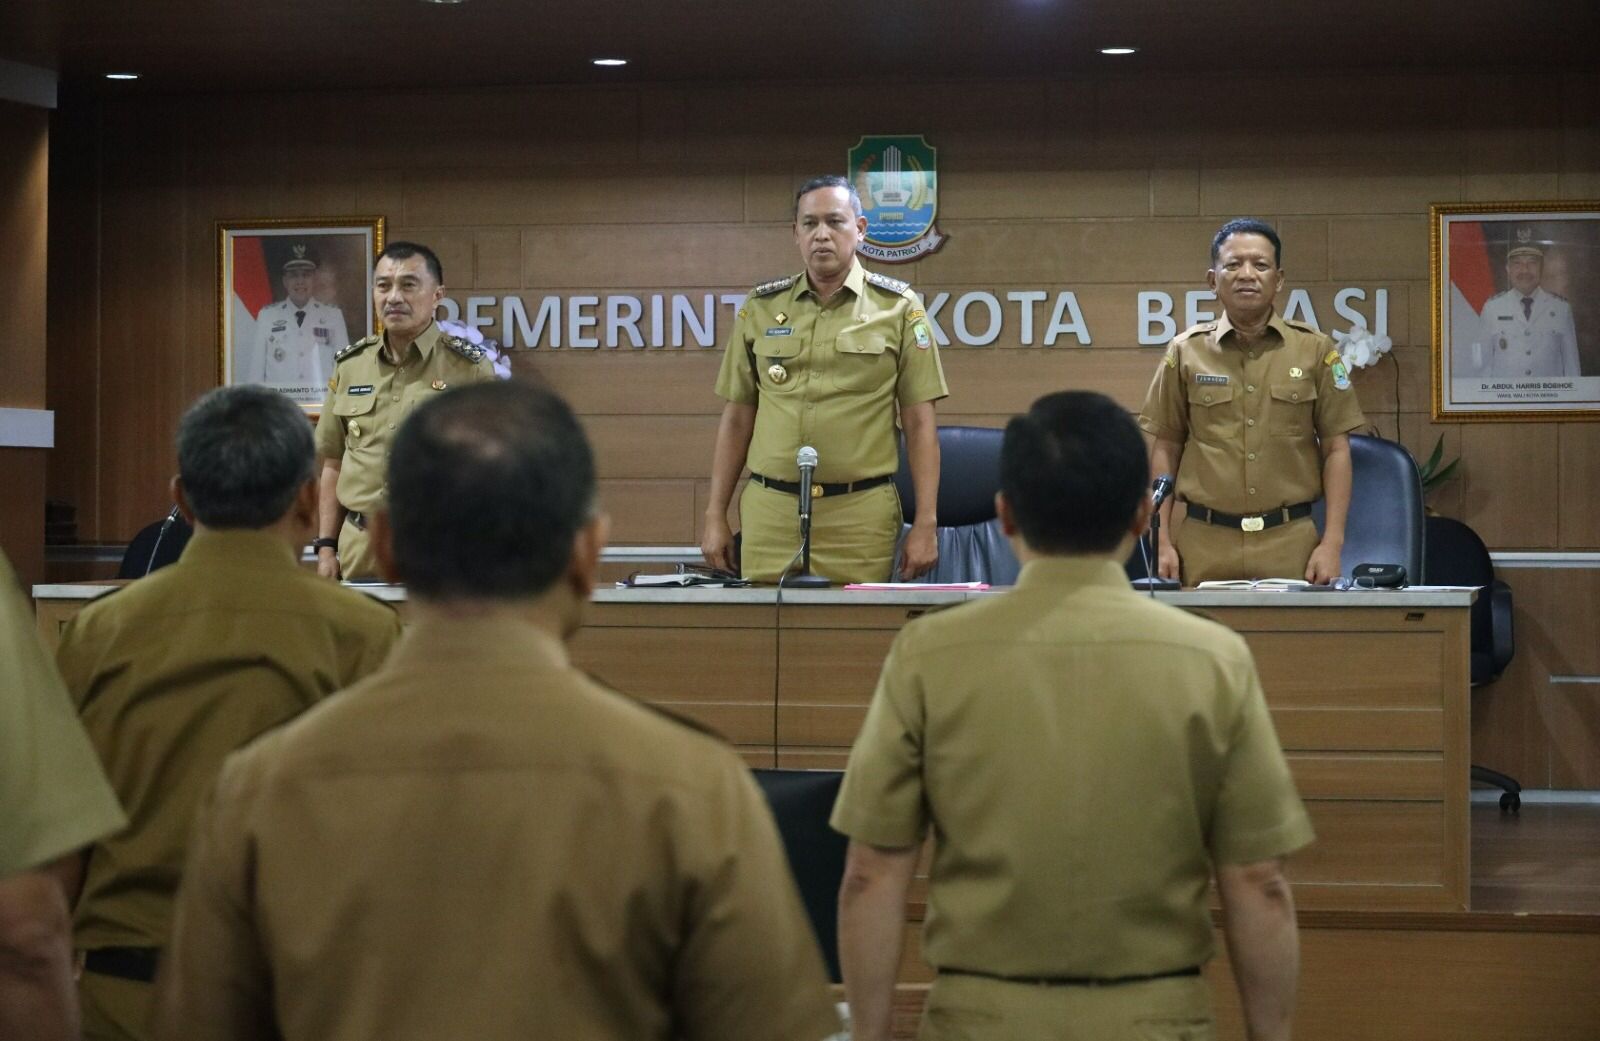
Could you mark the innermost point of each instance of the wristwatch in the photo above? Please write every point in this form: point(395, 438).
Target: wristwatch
point(322, 544)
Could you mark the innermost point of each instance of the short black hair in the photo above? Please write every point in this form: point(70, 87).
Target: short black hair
point(828, 181)
point(1247, 226)
point(407, 250)
point(1073, 468)
point(243, 454)
point(488, 485)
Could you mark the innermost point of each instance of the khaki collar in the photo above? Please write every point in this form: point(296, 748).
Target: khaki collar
point(237, 547)
point(494, 639)
point(424, 343)
point(1275, 324)
point(854, 280)
point(1065, 574)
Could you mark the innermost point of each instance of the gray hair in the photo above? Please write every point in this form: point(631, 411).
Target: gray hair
point(829, 181)
point(243, 455)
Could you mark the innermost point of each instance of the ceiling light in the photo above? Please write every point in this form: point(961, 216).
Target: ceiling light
point(610, 63)
point(1118, 50)
point(122, 75)
point(444, 2)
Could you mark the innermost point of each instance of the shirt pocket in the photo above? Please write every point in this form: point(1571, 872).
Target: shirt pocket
point(864, 359)
point(349, 408)
point(1212, 414)
point(1293, 409)
point(777, 361)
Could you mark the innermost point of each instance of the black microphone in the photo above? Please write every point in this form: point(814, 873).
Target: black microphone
point(166, 526)
point(1160, 490)
point(806, 460)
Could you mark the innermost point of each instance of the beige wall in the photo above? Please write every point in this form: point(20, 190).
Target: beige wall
point(1104, 188)
point(24, 178)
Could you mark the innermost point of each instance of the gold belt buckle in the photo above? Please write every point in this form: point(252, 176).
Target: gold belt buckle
point(1252, 523)
point(817, 491)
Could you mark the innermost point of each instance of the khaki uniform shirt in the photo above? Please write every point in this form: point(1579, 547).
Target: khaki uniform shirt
point(180, 668)
point(368, 398)
point(1083, 756)
point(481, 842)
point(1250, 420)
point(830, 374)
point(54, 798)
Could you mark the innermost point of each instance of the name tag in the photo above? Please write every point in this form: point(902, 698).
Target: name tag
point(365, 388)
point(1505, 318)
point(279, 327)
point(1206, 377)
point(781, 330)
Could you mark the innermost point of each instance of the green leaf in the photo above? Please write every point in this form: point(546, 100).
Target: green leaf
point(1434, 456)
point(1434, 480)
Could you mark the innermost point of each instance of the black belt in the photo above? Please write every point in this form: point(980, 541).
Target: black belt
point(125, 963)
point(819, 490)
point(1253, 522)
point(357, 518)
point(1075, 981)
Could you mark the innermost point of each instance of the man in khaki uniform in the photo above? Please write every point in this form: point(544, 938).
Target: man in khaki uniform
point(178, 669)
point(54, 800)
point(1252, 413)
point(1086, 759)
point(376, 383)
point(480, 841)
point(824, 358)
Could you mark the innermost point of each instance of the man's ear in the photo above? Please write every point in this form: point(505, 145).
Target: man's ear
point(382, 534)
point(587, 544)
point(1211, 279)
point(180, 497)
point(1008, 519)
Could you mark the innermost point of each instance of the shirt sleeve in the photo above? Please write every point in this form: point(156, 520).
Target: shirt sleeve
point(1338, 410)
point(749, 965)
point(1165, 414)
point(882, 801)
point(330, 429)
point(54, 797)
point(1258, 812)
point(921, 376)
point(1570, 364)
point(214, 983)
point(736, 380)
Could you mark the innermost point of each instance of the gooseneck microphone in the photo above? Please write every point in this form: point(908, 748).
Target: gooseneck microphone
point(166, 526)
point(1150, 544)
point(806, 460)
point(1159, 491)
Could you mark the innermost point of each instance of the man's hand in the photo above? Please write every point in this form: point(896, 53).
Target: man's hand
point(328, 563)
point(716, 545)
point(921, 551)
point(1167, 562)
point(1323, 567)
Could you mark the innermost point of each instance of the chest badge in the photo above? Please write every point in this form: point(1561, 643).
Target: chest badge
point(277, 354)
point(1297, 374)
point(439, 384)
point(781, 318)
point(333, 382)
point(355, 429)
point(777, 373)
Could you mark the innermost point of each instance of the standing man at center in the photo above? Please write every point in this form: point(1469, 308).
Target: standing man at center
point(827, 358)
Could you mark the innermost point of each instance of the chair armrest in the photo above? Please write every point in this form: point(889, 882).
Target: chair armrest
point(1504, 635)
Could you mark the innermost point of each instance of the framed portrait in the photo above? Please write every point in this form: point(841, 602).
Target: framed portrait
point(290, 294)
point(1516, 311)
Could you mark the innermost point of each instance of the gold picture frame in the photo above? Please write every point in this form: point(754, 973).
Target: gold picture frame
point(292, 292)
point(1516, 311)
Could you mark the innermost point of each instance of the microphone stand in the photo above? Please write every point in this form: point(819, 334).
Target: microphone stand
point(1151, 582)
point(805, 579)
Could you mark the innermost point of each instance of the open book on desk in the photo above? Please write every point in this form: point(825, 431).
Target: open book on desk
point(1262, 585)
point(689, 577)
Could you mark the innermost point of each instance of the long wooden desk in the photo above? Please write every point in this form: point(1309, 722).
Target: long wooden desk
point(1369, 692)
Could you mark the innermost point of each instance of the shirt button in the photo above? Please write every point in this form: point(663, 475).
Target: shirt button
point(1252, 491)
point(1251, 456)
point(391, 426)
point(397, 397)
point(1206, 398)
point(1252, 355)
point(1249, 422)
point(1294, 397)
point(1250, 388)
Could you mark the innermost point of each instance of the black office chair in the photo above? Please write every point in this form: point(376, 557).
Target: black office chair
point(801, 802)
point(1386, 511)
point(1458, 557)
point(150, 550)
point(972, 548)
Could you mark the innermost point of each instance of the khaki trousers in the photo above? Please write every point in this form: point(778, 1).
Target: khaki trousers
point(114, 1009)
point(975, 1008)
point(1210, 552)
point(852, 536)
point(357, 559)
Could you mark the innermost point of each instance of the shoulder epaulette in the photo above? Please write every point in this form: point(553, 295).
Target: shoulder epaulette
point(893, 285)
point(356, 348)
point(1558, 296)
point(466, 348)
point(777, 285)
point(1196, 330)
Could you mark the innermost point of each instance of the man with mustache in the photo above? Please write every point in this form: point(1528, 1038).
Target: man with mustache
point(1252, 412)
point(827, 358)
point(376, 383)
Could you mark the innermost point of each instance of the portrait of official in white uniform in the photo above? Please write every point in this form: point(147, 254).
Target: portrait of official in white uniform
point(1519, 311)
point(296, 337)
